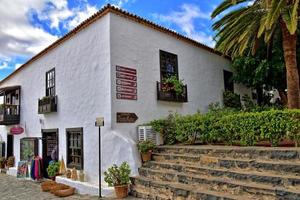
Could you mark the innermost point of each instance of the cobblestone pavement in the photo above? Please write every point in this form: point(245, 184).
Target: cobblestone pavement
point(13, 189)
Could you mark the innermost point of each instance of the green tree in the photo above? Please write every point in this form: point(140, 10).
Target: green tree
point(248, 20)
point(262, 71)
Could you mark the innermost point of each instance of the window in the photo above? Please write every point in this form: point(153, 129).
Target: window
point(28, 148)
point(228, 81)
point(75, 148)
point(168, 65)
point(50, 82)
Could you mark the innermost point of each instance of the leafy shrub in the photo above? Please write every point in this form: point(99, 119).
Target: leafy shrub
point(166, 127)
point(229, 127)
point(232, 100)
point(53, 168)
point(188, 127)
point(117, 175)
point(145, 146)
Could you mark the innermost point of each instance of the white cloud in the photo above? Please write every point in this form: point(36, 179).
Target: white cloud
point(184, 19)
point(18, 65)
point(17, 35)
point(4, 65)
point(80, 15)
point(120, 3)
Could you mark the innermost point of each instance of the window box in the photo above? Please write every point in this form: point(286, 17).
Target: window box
point(47, 104)
point(164, 94)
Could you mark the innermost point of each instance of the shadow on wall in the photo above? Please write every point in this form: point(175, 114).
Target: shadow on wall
point(118, 148)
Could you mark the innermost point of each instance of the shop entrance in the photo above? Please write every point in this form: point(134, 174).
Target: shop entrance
point(10, 145)
point(50, 147)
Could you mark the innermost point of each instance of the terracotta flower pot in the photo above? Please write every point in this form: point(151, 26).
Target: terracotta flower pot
point(121, 191)
point(146, 156)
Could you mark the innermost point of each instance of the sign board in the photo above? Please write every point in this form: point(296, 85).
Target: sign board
point(126, 83)
point(99, 121)
point(22, 169)
point(124, 117)
point(16, 130)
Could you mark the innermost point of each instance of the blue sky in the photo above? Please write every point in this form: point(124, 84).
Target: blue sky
point(28, 26)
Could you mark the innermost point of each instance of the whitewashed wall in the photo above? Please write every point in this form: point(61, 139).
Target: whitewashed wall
point(82, 86)
point(85, 86)
point(137, 46)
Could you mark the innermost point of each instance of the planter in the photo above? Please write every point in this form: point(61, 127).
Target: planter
point(146, 156)
point(121, 191)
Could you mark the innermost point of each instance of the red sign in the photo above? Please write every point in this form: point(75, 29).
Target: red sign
point(126, 70)
point(129, 90)
point(126, 83)
point(126, 96)
point(16, 130)
point(126, 76)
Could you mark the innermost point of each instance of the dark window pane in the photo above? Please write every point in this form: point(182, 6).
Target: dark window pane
point(228, 81)
point(50, 83)
point(75, 149)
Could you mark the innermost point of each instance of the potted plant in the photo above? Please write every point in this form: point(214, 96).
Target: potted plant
point(53, 169)
point(118, 176)
point(2, 162)
point(10, 161)
point(146, 148)
point(172, 83)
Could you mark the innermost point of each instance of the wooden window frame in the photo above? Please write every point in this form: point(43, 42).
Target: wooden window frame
point(36, 145)
point(49, 88)
point(68, 132)
point(161, 57)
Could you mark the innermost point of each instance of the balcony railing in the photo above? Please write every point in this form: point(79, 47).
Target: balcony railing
point(171, 95)
point(9, 114)
point(47, 105)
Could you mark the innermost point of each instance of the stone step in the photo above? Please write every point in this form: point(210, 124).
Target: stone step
point(236, 174)
point(146, 188)
point(225, 185)
point(265, 153)
point(279, 167)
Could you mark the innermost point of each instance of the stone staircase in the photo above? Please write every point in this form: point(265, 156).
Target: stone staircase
point(219, 172)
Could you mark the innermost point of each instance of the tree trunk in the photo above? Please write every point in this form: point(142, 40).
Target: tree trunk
point(289, 48)
point(283, 97)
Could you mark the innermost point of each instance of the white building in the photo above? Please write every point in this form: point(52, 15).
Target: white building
point(80, 75)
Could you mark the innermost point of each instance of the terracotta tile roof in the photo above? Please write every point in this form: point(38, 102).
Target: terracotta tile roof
point(102, 12)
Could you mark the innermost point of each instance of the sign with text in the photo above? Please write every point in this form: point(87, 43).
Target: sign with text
point(126, 83)
point(124, 117)
point(99, 121)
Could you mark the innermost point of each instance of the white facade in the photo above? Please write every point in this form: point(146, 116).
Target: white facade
point(86, 87)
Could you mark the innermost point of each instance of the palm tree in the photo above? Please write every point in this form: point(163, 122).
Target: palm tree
point(248, 20)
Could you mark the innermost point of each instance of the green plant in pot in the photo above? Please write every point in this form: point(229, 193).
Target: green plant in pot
point(172, 83)
point(53, 169)
point(146, 148)
point(118, 177)
point(2, 162)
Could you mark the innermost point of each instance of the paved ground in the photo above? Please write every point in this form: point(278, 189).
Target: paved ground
point(13, 189)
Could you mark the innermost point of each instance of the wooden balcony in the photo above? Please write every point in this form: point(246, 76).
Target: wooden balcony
point(47, 104)
point(10, 107)
point(171, 95)
point(9, 114)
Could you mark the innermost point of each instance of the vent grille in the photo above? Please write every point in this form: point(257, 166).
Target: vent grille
point(147, 133)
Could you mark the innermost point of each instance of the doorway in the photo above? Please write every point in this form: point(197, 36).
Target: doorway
point(10, 145)
point(50, 147)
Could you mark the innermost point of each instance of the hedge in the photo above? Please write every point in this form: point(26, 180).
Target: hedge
point(247, 128)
